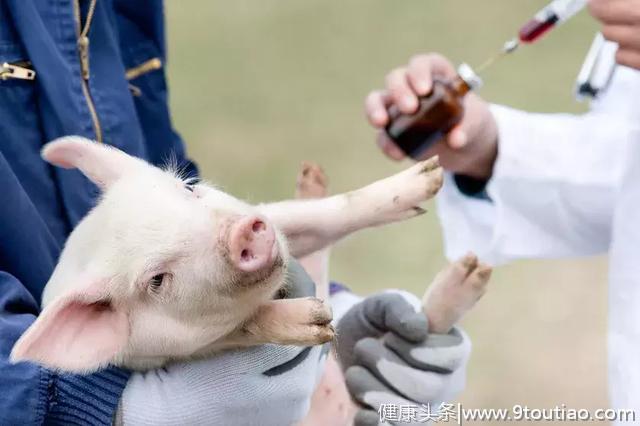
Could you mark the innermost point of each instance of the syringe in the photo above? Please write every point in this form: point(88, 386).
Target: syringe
point(555, 13)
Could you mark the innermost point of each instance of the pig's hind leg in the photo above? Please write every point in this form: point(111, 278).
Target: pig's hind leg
point(454, 291)
point(312, 183)
point(311, 225)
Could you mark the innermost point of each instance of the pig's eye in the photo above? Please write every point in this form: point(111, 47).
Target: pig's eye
point(156, 282)
point(189, 187)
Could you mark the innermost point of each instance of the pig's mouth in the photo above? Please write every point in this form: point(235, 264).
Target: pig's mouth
point(273, 275)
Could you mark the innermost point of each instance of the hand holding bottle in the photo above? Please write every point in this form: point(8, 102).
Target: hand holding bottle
point(469, 148)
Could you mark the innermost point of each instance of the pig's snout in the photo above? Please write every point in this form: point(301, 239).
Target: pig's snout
point(252, 244)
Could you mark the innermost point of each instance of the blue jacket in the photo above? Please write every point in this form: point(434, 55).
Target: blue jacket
point(122, 101)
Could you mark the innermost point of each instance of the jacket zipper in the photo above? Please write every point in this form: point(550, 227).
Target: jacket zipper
point(17, 70)
point(83, 53)
point(145, 67)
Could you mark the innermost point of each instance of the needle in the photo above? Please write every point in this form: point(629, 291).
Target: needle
point(509, 46)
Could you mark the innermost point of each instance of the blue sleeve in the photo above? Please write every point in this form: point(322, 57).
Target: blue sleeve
point(31, 395)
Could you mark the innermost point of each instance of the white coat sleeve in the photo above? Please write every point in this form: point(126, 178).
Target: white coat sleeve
point(552, 189)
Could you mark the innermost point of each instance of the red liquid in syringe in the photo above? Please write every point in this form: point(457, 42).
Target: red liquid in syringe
point(534, 29)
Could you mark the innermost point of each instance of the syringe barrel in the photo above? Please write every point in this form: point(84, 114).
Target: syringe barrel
point(563, 9)
point(556, 12)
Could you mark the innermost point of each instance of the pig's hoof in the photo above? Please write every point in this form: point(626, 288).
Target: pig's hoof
point(429, 165)
point(325, 333)
point(432, 174)
point(411, 188)
point(320, 313)
point(471, 275)
point(319, 328)
point(312, 181)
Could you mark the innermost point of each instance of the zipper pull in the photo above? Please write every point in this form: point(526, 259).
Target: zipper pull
point(8, 71)
point(145, 67)
point(83, 48)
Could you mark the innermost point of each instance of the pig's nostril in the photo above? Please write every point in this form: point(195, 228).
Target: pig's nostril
point(245, 255)
point(258, 226)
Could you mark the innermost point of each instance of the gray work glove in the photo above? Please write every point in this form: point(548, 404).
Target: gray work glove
point(389, 357)
point(265, 385)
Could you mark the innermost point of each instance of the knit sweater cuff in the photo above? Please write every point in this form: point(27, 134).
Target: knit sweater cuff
point(82, 400)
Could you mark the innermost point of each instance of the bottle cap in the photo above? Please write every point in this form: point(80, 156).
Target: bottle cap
point(469, 76)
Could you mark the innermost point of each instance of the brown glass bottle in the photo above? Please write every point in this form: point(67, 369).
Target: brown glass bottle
point(438, 113)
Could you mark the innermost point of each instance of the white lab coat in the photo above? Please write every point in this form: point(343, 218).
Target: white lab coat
point(567, 185)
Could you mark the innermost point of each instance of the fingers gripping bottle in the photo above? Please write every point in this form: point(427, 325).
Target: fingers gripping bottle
point(438, 113)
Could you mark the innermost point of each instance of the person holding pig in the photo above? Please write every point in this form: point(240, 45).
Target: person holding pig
point(95, 68)
point(523, 185)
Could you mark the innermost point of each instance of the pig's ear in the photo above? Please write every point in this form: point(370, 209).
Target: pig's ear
point(79, 333)
point(101, 163)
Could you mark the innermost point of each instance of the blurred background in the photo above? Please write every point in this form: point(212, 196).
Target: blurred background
point(259, 86)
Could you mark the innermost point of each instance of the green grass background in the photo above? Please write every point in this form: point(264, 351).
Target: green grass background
point(260, 85)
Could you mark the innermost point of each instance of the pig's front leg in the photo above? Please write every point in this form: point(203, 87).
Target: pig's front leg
point(311, 225)
point(300, 322)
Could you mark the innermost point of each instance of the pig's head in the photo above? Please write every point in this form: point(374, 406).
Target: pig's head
point(160, 269)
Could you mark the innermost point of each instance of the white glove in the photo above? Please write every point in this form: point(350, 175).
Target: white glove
point(265, 385)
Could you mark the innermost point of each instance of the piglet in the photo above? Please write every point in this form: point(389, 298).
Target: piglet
point(165, 269)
